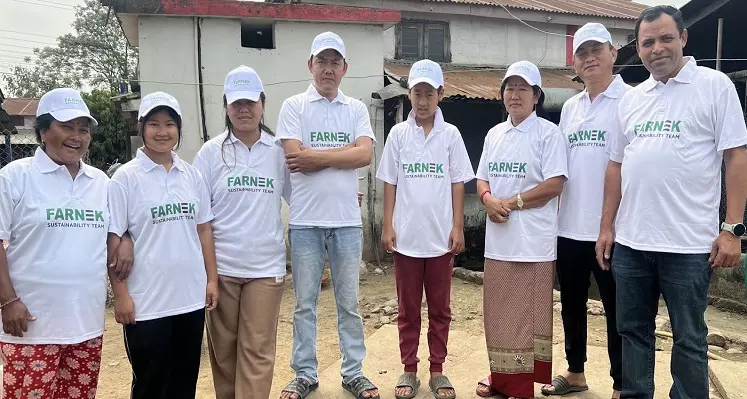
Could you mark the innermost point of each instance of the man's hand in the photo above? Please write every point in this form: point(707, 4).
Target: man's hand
point(304, 161)
point(123, 259)
point(389, 239)
point(604, 248)
point(726, 251)
point(456, 240)
point(16, 318)
point(497, 210)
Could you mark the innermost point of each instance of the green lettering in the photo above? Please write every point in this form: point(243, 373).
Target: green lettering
point(658, 126)
point(492, 167)
point(600, 135)
point(572, 138)
point(69, 214)
point(586, 135)
point(649, 126)
point(347, 138)
point(253, 181)
point(314, 136)
point(50, 213)
point(440, 168)
point(80, 214)
point(192, 208)
point(161, 212)
point(523, 167)
point(676, 126)
point(99, 216)
point(270, 183)
point(153, 212)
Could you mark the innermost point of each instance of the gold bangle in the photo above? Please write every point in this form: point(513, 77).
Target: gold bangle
point(16, 299)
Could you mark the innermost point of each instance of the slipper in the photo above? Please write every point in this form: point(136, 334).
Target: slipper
point(491, 392)
point(360, 385)
point(300, 387)
point(441, 382)
point(563, 387)
point(408, 380)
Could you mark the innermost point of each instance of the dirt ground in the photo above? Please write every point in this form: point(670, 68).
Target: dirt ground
point(375, 290)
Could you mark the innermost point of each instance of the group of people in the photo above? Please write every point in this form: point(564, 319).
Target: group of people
point(189, 246)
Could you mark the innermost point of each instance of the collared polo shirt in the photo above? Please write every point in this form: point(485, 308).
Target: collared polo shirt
point(423, 168)
point(246, 186)
point(161, 211)
point(56, 230)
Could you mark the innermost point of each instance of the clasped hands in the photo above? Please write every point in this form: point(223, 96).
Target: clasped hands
point(498, 209)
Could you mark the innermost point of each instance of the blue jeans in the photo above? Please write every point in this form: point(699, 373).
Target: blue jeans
point(683, 280)
point(344, 246)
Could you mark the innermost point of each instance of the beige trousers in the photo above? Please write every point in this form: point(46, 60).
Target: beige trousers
point(241, 336)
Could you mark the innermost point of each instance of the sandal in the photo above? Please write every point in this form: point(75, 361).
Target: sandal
point(563, 387)
point(407, 380)
point(491, 392)
point(441, 382)
point(300, 387)
point(360, 385)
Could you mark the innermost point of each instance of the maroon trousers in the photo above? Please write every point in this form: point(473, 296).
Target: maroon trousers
point(411, 276)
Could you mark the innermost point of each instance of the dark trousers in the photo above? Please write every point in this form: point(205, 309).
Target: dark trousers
point(411, 276)
point(165, 355)
point(576, 262)
point(683, 280)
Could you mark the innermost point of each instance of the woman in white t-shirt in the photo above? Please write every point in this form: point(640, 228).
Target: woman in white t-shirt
point(164, 204)
point(54, 219)
point(246, 175)
point(520, 176)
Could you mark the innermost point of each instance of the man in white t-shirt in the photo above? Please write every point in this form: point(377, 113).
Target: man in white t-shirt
point(326, 136)
point(665, 175)
point(587, 120)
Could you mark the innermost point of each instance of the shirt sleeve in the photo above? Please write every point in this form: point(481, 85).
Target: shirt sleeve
point(363, 122)
point(389, 164)
point(7, 203)
point(289, 122)
point(117, 198)
point(554, 156)
point(618, 139)
point(460, 166)
point(730, 130)
point(482, 167)
point(202, 164)
point(287, 188)
point(205, 208)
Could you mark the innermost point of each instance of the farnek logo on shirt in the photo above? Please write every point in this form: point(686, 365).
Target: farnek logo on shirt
point(423, 170)
point(588, 138)
point(75, 217)
point(329, 139)
point(511, 170)
point(658, 129)
point(251, 183)
point(173, 212)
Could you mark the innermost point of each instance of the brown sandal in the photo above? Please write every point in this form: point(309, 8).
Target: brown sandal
point(491, 392)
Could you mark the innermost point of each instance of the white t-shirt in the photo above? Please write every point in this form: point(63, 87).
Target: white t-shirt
point(671, 148)
point(56, 230)
point(246, 186)
point(161, 211)
point(514, 160)
point(587, 127)
point(423, 169)
point(328, 198)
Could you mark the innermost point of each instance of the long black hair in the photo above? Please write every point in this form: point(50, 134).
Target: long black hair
point(178, 119)
point(229, 128)
point(539, 108)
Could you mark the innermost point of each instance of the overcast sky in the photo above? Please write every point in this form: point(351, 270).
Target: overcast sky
point(25, 24)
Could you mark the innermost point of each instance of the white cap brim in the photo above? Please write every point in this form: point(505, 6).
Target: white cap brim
point(315, 53)
point(591, 39)
point(523, 76)
point(412, 83)
point(66, 115)
point(154, 106)
point(243, 95)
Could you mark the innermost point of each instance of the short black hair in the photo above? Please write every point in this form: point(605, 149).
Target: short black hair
point(653, 13)
point(178, 119)
point(539, 107)
point(42, 122)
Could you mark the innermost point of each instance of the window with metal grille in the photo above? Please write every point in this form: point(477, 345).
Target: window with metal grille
point(423, 39)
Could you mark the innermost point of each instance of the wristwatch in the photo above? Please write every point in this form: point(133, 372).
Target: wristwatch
point(519, 201)
point(737, 229)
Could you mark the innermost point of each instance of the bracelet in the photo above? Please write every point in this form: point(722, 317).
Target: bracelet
point(483, 195)
point(16, 299)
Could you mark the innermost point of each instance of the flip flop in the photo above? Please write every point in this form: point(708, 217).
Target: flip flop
point(563, 387)
point(491, 392)
point(408, 380)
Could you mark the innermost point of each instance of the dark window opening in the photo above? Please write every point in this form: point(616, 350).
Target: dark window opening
point(261, 36)
point(17, 120)
point(418, 39)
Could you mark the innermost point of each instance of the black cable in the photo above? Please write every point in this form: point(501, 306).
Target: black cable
point(205, 136)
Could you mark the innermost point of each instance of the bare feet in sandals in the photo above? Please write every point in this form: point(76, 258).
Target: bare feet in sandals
point(442, 392)
point(566, 383)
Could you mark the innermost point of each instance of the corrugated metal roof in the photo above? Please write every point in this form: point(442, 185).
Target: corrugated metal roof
point(625, 9)
point(484, 83)
point(21, 106)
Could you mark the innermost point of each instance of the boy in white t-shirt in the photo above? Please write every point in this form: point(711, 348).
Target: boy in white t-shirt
point(424, 167)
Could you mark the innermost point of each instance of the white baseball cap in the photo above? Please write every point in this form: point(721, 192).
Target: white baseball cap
point(426, 71)
point(242, 83)
point(591, 31)
point(64, 105)
point(155, 100)
point(525, 70)
point(325, 41)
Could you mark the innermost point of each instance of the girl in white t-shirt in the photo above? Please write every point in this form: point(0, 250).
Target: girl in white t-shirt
point(521, 173)
point(165, 206)
point(424, 167)
point(54, 219)
point(246, 175)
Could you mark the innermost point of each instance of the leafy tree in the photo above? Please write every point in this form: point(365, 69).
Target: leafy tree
point(109, 142)
point(96, 56)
